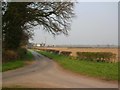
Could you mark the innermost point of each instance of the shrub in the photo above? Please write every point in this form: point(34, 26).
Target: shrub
point(66, 53)
point(96, 56)
point(53, 51)
point(56, 52)
point(22, 52)
point(9, 55)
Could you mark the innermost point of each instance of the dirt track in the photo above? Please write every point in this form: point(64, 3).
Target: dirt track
point(45, 73)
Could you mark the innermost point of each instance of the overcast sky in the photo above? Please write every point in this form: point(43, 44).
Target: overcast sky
point(96, 23)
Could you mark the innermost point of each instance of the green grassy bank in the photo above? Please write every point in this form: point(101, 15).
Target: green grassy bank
point(17, 63)
point(102, 70)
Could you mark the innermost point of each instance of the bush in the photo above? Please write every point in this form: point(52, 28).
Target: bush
point(22, 52)
point(9, 55)
point(53, 51)
point(13, 54)
point(96, 56)
point(66, 53)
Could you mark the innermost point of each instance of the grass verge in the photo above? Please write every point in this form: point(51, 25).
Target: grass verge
point(102, 70)
point(17, 63)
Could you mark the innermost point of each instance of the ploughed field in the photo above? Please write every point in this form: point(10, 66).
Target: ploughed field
point(90, 50)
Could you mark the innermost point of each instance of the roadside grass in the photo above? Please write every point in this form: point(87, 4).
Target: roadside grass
point(17, 63)
point(102, 70)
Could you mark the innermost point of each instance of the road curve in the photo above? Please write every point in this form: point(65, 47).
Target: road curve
point(45, 73)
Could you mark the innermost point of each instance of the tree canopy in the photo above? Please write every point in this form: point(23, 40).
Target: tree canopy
point(18, 19)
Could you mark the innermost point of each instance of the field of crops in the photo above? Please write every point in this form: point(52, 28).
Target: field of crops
point(75, 50)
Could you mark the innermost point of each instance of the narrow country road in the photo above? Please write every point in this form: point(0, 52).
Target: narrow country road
point(45, 73)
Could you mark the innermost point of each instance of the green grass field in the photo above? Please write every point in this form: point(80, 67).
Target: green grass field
point(102, 70)
point(16, 63)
